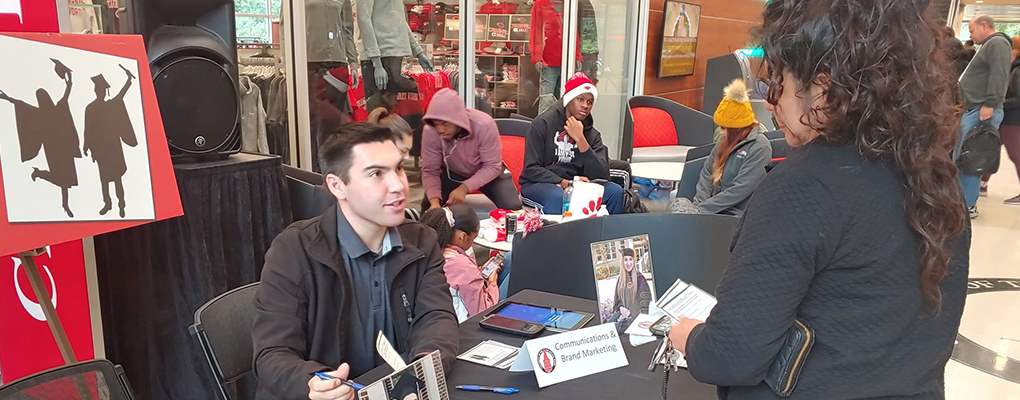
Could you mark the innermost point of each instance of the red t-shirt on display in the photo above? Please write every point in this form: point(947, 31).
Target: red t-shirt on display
point(547, 34)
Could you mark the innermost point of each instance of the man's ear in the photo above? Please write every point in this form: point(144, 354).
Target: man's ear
point(336, 186)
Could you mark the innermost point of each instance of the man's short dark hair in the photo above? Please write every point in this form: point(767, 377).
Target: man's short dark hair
point(985, 19)
point(336, 149)
point(969, 42)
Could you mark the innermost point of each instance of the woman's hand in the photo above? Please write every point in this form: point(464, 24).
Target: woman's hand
point(679, 333)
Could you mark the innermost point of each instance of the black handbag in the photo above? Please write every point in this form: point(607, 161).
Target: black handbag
point(785, 369)
point(980, 152)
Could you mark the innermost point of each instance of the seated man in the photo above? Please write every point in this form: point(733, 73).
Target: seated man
point(562, 144)
point(332, 282)
point(461, 153)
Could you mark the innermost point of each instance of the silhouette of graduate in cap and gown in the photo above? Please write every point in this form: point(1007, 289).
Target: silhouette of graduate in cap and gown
point(107, 124)
point(49, 127)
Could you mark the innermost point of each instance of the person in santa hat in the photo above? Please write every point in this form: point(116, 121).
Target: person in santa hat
point(562, 144)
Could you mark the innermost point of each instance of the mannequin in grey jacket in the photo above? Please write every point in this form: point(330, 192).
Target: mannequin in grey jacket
point(386, 39)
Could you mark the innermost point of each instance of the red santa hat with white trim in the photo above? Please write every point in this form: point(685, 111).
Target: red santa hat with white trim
point(577, 85)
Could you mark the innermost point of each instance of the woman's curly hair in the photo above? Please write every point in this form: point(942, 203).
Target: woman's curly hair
point(890, 91)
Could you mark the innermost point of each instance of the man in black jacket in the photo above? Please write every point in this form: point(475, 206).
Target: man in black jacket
point(562, 144)
point(331, 283)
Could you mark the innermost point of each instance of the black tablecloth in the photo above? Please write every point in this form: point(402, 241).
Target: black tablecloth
point(153, 277)
point(631, 382)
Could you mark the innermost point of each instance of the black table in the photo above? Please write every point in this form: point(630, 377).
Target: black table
point(631, 382)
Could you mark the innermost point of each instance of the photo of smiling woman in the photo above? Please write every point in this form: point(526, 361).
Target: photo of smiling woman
point(632, 292)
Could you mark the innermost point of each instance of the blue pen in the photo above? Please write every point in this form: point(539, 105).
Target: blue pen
point(324, 376)
point(494, 389)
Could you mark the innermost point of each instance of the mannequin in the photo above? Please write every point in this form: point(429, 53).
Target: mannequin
point(546, 44)
point(331, 47)
point(330, 25)
point(387, 39)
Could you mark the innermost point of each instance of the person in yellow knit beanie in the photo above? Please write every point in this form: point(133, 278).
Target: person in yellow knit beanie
point(737, 164)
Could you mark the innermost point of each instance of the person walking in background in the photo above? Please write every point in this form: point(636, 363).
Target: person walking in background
point(107, 124)
point(737, 163)
point(1009, 131)
point(983, 89)
point(860, 233)
point(953, 50)
point(457, 227)
point(460, 153)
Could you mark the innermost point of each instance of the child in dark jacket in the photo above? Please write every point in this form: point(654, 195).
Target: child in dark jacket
point(562, 144)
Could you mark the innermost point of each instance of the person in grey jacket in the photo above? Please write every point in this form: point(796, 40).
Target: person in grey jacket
point(737, 163)
point(983, 89)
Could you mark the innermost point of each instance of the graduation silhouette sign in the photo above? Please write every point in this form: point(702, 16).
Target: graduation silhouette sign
point(82, 147)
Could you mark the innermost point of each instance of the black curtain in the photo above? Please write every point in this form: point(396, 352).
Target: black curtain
point(153, 278)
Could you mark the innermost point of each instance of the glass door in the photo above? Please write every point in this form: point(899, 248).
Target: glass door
point(608, 39)
point(516, 56)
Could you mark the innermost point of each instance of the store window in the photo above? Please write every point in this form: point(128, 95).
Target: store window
point(257, 21)
point(94, 16)
point(363, 55)
point(518, 56)
point(262, 78)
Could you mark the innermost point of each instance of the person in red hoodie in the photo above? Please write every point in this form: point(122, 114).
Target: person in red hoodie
point(457, 227)
point(461, 153)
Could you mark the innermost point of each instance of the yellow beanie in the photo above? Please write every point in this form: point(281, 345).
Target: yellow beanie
point(734, 110)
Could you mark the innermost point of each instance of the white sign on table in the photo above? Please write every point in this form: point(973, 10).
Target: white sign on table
point(565, 356)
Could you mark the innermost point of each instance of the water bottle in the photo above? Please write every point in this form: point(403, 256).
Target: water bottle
point(569, 191)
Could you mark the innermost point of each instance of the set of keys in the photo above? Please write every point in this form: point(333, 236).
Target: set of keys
point(667, 356)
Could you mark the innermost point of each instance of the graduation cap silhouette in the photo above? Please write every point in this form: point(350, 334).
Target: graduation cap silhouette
point(62, 70)
point(101, 83)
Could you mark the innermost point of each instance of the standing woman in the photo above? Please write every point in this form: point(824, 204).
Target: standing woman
point(861, 234)
point(1009, 131)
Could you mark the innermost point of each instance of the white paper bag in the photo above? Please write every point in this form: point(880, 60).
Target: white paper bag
point(585, 199)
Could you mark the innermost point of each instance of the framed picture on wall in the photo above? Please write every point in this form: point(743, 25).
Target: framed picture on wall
point(680, 25)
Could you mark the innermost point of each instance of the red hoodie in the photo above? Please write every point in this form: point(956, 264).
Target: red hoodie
point(477, 156)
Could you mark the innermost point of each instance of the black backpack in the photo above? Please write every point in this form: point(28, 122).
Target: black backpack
point(632, 202)
point(981, 150)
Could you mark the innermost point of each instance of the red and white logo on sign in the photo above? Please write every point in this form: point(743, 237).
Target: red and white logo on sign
point(33, 308)
point(12, 7)
point(26, 343)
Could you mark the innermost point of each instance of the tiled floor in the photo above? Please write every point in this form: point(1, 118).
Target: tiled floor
point(992, 318)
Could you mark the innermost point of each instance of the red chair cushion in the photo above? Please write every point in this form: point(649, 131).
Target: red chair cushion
point(653, 127)
point(513, 156)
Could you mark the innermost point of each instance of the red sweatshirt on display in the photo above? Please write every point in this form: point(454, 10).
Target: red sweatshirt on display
point(547, 34)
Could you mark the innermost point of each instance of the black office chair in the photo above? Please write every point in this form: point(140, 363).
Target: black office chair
point(557, 259)
point(695, 161)
point(93, 379)
point(223, 330)
point(780, 148)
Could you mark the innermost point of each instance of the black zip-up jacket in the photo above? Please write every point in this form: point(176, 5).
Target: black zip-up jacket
point(300, 324)
point(550, 157)
point(1011, 106)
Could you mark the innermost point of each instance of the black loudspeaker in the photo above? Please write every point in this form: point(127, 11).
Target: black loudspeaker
point(193, 57)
